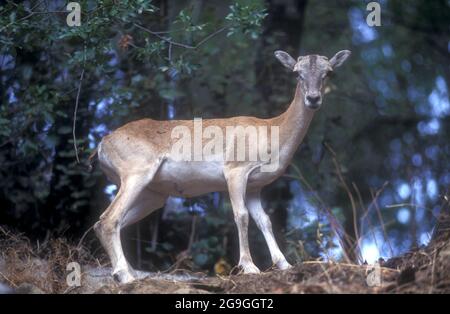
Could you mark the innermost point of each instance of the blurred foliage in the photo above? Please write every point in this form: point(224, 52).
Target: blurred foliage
point(384, 120)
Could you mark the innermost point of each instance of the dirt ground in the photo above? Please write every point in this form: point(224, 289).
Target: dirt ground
point(42, 269)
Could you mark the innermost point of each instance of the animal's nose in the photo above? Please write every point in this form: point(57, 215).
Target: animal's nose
point(313, 98)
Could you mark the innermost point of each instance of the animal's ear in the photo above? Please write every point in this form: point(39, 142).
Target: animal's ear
point(285, 59)
point(339, 58)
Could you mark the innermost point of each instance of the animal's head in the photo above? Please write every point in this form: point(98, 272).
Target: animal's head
point(313, 72)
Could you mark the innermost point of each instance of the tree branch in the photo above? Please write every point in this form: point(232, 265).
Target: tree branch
point(182, 45)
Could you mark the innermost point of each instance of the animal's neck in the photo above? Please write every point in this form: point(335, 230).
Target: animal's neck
point(294, 124)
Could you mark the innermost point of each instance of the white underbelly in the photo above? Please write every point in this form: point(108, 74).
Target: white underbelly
point(189, 178)
point(194, 178)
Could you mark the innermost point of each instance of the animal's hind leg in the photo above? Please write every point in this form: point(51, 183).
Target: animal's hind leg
point(147, 203)
point(110, 223)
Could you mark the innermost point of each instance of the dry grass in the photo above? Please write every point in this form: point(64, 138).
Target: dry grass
point(41, 268)
point(41, 265)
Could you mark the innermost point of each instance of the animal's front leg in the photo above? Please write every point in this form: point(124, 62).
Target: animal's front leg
point(263, 222)
point(237, 181)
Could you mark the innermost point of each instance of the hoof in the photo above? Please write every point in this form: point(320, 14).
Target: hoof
point(249, 268)
point(283, 265)
point(123, 276)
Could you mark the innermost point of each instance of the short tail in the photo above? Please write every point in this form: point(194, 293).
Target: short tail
point(91, 159)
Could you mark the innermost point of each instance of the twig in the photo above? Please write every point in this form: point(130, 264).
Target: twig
point(380, 218)
point(192, 234)
point(27, 16)
point(211, 36)
point(84, 235)
point(154, 239)
point(329, 280)
point(352, 265)
point(432, 273)
point(138, 246)
point(361, 204)
point(170, 53)
point(76, 106)
point(336, 226)
point(375, 199)
point(201, 42)
point(12, 283)
point(350, 196)
point(154, 234)
point(75, 116)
